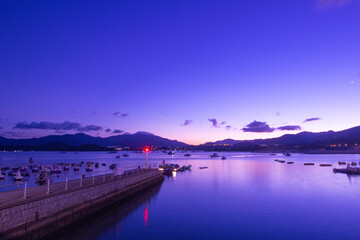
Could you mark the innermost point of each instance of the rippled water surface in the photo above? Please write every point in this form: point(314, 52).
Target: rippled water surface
point(246, 196)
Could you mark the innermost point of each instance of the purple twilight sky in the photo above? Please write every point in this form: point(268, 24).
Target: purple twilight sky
point(194, 71)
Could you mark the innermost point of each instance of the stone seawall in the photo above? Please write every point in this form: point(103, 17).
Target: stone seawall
point(37, 218)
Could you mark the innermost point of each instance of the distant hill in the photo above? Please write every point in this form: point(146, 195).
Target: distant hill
point(303, 140)
point(138, 139)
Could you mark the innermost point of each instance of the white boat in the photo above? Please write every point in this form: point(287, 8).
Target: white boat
point(18, 176)
point(89, 168)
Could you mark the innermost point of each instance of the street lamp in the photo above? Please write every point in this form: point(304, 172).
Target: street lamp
point(146, 157)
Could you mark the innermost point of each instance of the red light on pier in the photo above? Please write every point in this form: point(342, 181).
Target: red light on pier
point(146, 149)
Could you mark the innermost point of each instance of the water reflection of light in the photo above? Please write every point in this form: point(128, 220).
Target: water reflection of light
point(146, 215)
point(174, 174)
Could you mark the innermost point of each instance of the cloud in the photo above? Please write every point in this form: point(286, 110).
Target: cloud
point(222, 123)
point(214, 122)
point(59, 131)
point(108, 130)
point(325, 4)
point(289, 128)
point(257, 126)
point(120, 114)
point(228, 127)
point(186, 123)
point(67, 125)
point(117, 131)
point(90, 128)
point(312, 119)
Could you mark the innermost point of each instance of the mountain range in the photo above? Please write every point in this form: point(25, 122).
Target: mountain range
point(304, 140)
point(351, 135)
point(139, 139)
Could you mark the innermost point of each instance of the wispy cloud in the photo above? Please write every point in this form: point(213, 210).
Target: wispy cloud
point(117, 131)
point(186, 123)
point(108, 130)
point(228, 127)
point(120, 114)
point(312, 119)
point(259, 127)
point(289, 128)
point(67, 125)
point(214, 122)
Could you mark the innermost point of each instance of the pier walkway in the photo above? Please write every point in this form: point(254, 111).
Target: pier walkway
point(48, 189)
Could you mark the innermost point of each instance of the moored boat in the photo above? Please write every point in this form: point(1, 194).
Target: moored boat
point(18, 177)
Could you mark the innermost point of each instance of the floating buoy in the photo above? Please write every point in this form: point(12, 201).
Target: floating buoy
point(325, 165)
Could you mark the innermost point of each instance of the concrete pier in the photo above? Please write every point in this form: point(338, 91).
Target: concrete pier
point(45, 210)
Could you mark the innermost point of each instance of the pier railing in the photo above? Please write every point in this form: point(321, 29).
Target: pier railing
point(25, 192)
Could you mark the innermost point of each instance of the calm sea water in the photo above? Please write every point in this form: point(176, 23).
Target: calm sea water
point(246, 196)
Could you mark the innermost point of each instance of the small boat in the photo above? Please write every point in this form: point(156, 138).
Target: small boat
point(353, 163)
point(112, 166)
point(171, 153)
point(67, 167)
point(187, 155)
point(56, 170)
point(342, 163)
point(347, 170)
point(114, 151)
point(309, 164)
point(325, 165)
point(203, 167)
point(103, 164)
point(223, 158)
point(281, 161)
point(290, 162)
point(287, 154)
point(43, 177)
point(272, 154)
point(25, 174)
point(1, 175)
point(89, 168)
point(125, 155)
point(31, 160)
point(214, 155)
point(18, 177)
point(276, 160)
point(118, 156)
